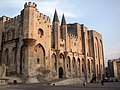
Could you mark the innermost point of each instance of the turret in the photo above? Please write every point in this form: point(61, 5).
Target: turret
point(55, 19)
point(64, 31)
point(56, 31)
point(29, 4)
point(29, 18)
point(29, 15)
point(63, 20)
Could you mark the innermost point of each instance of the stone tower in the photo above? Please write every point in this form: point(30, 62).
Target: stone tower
point(28, 42)
point(56, 31)
point(63, 31)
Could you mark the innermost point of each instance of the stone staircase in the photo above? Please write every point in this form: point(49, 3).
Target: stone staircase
point(67, 81)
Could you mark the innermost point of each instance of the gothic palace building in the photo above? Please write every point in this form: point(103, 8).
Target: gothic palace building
point(30, 45)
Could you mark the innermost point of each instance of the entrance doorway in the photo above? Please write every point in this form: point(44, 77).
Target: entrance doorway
point(60, 72)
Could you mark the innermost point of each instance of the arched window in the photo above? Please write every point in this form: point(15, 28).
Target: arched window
point(68, 64)
point(40, 32)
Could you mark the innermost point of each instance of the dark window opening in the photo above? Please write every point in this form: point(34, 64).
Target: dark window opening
point(82, 68)
point(40, 32)
point(67, 65)
point(38, 60)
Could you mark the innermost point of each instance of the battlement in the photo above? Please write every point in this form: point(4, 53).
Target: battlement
point(11, 20)
point(30, 4)
point(4, 18)
point(17, 17)
point(43, 17)
point(40, 15)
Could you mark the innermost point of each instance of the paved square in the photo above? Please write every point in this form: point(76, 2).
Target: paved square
point(93, 86)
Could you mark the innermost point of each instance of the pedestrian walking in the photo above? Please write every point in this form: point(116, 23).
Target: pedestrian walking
point(84, 83)
point(102, 82)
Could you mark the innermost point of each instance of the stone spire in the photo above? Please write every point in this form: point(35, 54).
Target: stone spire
point(63, 20)
point(55, 17)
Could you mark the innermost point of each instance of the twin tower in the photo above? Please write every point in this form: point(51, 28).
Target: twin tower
point(29, 42)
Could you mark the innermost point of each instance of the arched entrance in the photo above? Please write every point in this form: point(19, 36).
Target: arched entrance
point(60, 72)
point(62, 61)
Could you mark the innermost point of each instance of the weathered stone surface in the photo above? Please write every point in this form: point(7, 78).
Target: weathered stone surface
point(29, 42)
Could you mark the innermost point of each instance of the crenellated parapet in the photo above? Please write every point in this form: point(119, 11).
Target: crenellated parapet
point(30, 4)
point(11, 27)
point(4, 18)
point(40, 16)
point(11, 22)
point(43, 17)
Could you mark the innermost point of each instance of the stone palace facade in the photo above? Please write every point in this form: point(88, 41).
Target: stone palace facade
point(31, 45)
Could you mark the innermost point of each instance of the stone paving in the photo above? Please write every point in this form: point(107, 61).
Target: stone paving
point(93, 86)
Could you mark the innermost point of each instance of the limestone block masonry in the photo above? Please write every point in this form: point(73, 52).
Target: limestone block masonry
point(31, 47)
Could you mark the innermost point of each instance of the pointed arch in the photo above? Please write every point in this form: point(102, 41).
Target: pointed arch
point(14, 60)
point(68, 64)
point(62, 60)
point(74, 66)
point(54, 62)
point(40, 54)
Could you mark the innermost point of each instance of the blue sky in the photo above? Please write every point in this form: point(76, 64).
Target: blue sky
point(100, 15)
